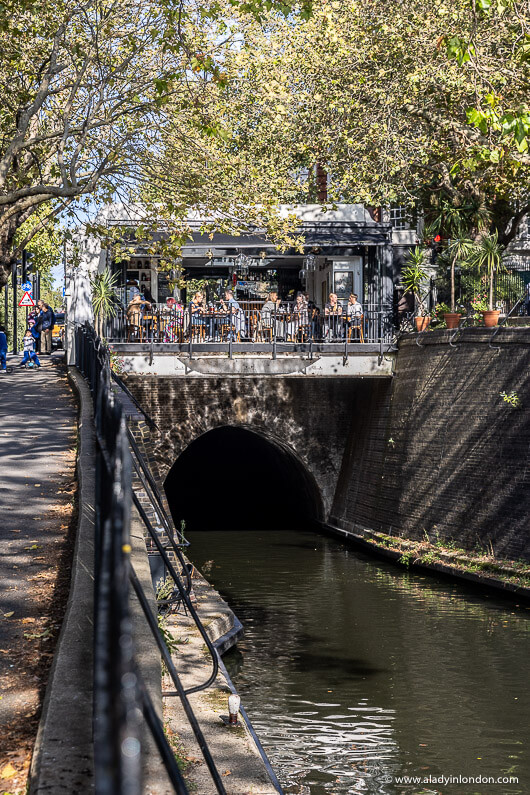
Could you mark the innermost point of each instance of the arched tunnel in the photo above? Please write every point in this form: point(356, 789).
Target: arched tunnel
point(232, 478)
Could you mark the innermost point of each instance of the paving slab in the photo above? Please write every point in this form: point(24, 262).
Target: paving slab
point(37, 457)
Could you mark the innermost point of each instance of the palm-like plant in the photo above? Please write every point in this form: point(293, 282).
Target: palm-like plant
point(487, 256)
point(459, 224)
point(104, 298)
point(459, 250)
point(414, 275)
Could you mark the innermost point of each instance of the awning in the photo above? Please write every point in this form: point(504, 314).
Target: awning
point(325, 235)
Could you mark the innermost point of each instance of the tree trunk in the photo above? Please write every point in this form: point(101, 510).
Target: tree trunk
point(7, 254)
point(453, 301)
point(490, 299)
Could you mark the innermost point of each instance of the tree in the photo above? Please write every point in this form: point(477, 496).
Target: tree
point(83, 87)
point(425, 104)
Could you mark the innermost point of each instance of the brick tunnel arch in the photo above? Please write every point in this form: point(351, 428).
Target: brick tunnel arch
point(232, 477)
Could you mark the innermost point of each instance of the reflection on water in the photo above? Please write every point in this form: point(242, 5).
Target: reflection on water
point(354, 672)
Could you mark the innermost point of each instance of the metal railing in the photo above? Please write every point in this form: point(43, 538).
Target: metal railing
point(121, 698)
point(252, 324)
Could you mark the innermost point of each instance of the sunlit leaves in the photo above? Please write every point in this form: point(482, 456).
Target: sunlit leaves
point(459, 49)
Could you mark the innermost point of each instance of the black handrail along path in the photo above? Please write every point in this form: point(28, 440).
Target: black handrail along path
point(121, 700)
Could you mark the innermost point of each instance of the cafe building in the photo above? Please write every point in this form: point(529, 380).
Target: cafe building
point(341, 251)
point(344, 250)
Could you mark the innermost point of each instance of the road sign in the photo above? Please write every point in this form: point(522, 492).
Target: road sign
point(26, 300)
point(27, 287)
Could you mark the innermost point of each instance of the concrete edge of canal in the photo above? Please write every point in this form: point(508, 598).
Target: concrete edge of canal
point(237, 751)
point(63, 753)
point(367, 541)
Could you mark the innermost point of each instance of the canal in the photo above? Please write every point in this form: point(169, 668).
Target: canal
point(355, 672)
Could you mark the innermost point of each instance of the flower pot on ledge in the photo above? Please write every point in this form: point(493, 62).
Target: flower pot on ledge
point(452, 319)
point(422, 322)
point(491, 317)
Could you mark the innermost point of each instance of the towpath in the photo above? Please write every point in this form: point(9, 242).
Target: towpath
point(37, 489)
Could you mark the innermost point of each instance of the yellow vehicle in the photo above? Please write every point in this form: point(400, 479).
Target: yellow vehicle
point(58, 331)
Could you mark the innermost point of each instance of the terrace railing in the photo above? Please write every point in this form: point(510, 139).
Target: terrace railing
point(250, 324)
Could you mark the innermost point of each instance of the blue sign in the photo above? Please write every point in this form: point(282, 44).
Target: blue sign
point(64, 292)
point(27, 287)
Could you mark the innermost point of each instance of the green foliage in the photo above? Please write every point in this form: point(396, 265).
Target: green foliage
point(104, 298)
point(512, 399)
point(104, 294)
point(487, 256)
point(92, 94)
point(414, 276)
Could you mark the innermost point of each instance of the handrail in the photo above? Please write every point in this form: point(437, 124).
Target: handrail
point(203, 745)
point(184, 594)
point(151, 423)
point(502, 323)
point(120, 694)
point(148, 476)
point(221, 326)
point(458, 329)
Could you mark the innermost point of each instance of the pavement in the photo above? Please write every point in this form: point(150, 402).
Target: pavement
point(37, 459)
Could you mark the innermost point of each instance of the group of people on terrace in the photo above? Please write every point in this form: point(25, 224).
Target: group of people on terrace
point(274, 320)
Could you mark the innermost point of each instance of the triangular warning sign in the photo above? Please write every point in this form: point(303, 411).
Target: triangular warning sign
point(26, 300)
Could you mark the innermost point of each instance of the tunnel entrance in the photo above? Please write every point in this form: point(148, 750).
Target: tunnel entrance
point(237, 479)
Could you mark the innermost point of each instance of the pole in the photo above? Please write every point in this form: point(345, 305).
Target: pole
point(24, 276)
point(15, 308)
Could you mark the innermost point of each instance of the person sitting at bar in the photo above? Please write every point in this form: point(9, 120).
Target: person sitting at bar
point(333, 315)
point(269, 323)
point(299, 317)
point(197, 310)
point(237, 318)
point(269, 308)
point(354, 313)
point(132, 289)
point(136, 311)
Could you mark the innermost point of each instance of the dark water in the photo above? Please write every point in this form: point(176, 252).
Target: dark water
point(354, 672)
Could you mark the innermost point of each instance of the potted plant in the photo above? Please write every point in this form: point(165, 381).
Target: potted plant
point(104, 299)
point(487, 256)
point(413, 278)
point(458, 250)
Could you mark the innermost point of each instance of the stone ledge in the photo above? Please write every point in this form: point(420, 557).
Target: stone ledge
point(63, 755)
point(238, 753)
point(369, 542)
point(505, 335)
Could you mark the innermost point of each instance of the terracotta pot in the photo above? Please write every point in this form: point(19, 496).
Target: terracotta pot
point(422, 321)
point(491, 317)
point(452, 319)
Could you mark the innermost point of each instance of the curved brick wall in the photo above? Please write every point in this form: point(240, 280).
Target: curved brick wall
point(442, 454)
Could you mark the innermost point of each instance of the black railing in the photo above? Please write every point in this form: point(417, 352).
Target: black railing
point(253, 323)
point(121, 699)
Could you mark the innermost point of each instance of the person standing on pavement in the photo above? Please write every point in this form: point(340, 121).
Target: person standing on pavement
point(3, 350)
point(29, 351)
point(44, 326)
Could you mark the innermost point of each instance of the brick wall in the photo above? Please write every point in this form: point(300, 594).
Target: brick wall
point(309, 416)
point(441, 454)
point(435, 452)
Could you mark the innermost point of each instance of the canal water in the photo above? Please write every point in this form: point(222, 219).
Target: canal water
point(354, 672)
